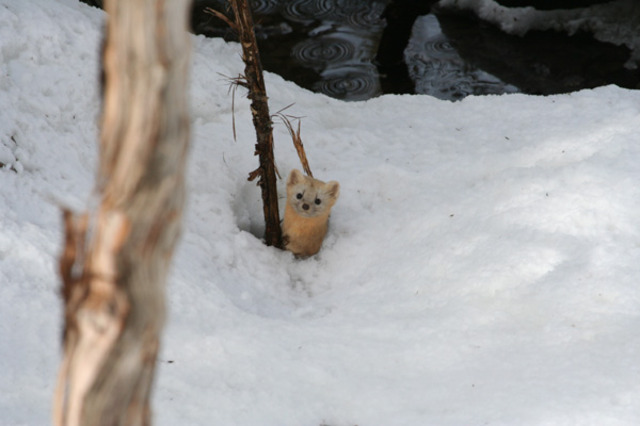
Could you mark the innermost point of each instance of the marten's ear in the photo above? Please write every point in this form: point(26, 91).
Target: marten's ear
point(333, 189)
point(294, 177)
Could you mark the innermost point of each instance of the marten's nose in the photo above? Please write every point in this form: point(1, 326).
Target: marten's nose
point(305, 206)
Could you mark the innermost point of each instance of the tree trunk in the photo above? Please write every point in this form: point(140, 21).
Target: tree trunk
point(114, 289)
point(261, 121)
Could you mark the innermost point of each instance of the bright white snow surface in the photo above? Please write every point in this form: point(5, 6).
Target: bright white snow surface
point(482, 265)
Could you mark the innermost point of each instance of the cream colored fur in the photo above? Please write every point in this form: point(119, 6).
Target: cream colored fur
point(306, 214)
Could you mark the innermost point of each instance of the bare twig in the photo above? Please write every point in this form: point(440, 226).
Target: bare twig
point(222, 17)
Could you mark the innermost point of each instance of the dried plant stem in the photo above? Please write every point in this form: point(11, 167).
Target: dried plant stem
point(296, 138)
point(261, 121)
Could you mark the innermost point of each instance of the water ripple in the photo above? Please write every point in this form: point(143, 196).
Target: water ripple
point(308, 10)
point(439, 49)
point(367, 16)
point(354, 84)
point(265, 7)
point(318, 52)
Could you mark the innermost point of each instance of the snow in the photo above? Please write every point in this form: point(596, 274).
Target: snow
point(481, 265)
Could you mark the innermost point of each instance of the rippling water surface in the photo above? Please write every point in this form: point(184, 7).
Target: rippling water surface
point(438, 69)
point(327, 46)
point(359, 49)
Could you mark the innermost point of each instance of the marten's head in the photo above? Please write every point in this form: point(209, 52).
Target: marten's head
point(311, 197)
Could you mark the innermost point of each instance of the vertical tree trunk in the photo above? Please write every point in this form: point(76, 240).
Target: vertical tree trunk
point(114, 290)
point(261, 121)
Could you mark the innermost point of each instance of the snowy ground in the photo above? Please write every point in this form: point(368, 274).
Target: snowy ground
point(481, 267)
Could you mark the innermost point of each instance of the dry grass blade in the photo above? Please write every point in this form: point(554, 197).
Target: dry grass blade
point(234, 82)
point(295, 137)
point(222, 17)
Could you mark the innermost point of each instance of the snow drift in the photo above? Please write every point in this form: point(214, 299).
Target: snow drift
point(481, 266)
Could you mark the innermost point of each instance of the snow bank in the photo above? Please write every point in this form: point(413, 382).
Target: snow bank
point(481, 266)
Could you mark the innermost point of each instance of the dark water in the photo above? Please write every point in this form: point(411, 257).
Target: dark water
point(359, 49)
point(477, 58)
point(327, 46)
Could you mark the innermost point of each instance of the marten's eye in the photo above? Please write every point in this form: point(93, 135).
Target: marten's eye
point(299, 196)
point(318, 201)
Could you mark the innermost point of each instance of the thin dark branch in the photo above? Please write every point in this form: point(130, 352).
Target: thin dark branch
point(222, 17)
point(261, 120)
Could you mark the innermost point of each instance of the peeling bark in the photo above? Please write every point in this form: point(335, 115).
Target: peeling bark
point(115, 261)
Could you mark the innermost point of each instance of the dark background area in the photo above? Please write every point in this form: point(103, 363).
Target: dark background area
point(357, 49)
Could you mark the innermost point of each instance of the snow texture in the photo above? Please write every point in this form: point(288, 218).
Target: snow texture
point(481, 266)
